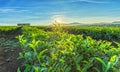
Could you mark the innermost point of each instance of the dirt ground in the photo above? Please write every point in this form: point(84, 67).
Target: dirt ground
point(9, 51)
point(8, 59)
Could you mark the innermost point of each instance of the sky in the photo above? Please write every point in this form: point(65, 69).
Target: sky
point(43, 12)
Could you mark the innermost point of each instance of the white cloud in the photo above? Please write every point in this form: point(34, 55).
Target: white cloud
point(9, 10)
point(89, 1)
point(6, 10)
point(90, 20)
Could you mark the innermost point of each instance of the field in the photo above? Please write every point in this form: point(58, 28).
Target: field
point(60, 49)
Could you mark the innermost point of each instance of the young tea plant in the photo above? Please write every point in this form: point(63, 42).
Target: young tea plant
point(58, 51)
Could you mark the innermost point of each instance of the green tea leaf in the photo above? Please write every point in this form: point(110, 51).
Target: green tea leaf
point(41, 53)
point(101, 61)
point(18, 70)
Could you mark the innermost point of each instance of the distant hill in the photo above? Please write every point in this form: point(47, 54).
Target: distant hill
point(115, 23)
point(75, 24)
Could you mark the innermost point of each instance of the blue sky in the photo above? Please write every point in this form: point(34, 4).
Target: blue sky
point(42, 12)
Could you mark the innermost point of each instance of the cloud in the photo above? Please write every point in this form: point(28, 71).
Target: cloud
point(42, 4)
point(9, 10)
point(90, 20)
point(70, 1)
point(59, 13)
point(39, 4)
point(6, 10)
point(90, 1)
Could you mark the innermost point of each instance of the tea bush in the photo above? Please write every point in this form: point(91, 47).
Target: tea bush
point(96, 32)
point(58, 51)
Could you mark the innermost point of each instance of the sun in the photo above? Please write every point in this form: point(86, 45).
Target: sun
point(58, 20)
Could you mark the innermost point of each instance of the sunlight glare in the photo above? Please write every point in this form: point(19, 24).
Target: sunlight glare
point(59, 20)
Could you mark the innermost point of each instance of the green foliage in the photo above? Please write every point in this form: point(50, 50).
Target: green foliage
point(18, 70)
point(110, 64)
point(96, 32)
point(58, 51)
